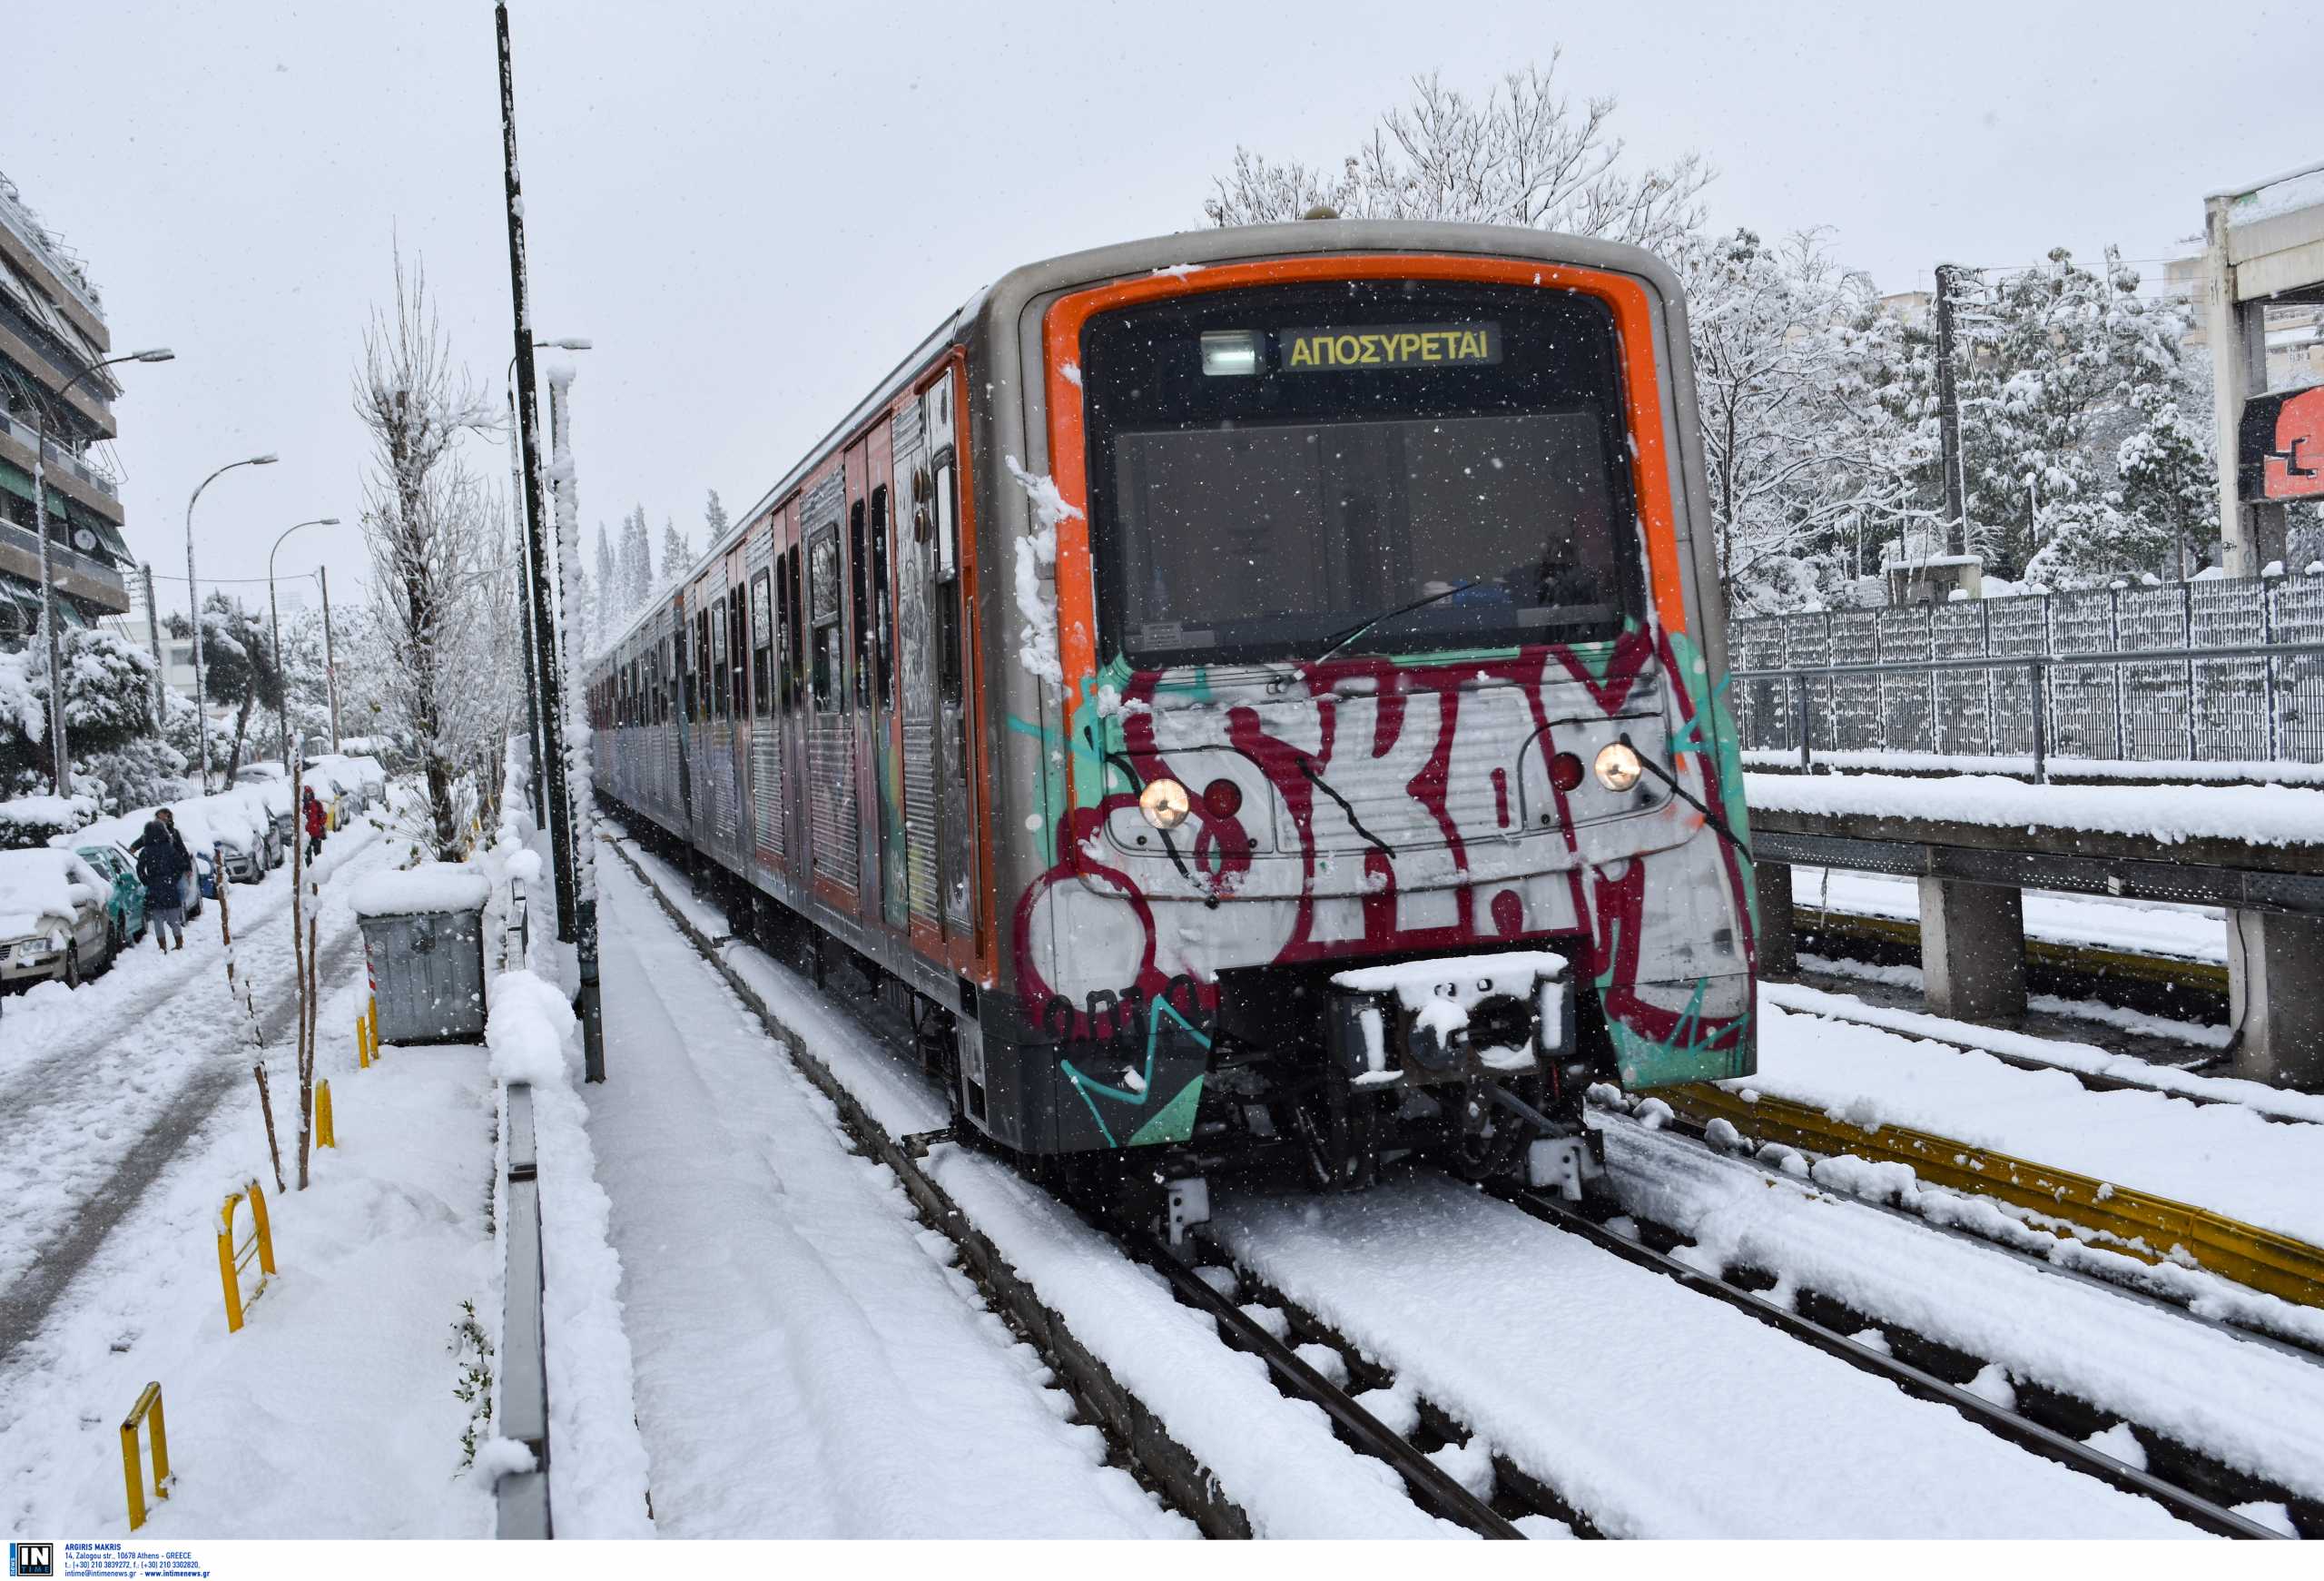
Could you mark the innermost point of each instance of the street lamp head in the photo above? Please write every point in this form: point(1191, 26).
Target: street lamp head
point(571, 343)
point(327, 521)
point(158, 354)
point(266, 460)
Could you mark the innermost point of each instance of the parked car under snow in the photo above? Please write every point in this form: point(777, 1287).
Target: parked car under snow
point(53, 921)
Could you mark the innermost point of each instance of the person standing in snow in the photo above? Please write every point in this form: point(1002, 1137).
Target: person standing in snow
point(316, 822)
point(163, 864)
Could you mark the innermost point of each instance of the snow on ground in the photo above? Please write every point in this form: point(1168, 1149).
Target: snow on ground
point(2066, 1056)
point(331, 1413)
point(2221, 1156)
point(1276, 1459)
point(84, 1075)
point(2193, 933)
point(2252, 1405)
point(808, 1362)
point(2264, 815)
point(1655, 1410)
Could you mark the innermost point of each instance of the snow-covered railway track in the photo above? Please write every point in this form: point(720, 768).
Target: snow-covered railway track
point(1137, 1431)
point(2035, 1421)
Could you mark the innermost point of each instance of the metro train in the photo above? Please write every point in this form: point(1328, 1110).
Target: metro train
point(1257, 692)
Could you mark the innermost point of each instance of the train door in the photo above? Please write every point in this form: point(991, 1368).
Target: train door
point(790, 579)
point(735, 764)
point(887, 744)
point(949, 596)
point(915, 568)
point(764, 793)
point(836, 837)
point(682, 710)
point(859, 679)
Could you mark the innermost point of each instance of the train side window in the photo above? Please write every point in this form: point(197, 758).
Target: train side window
point(762, 648)
point(721, 698)
point(682, 676)
point(883, 604)
point(858, 613)
point(799, 626)
point(738, 651)
point(822, 609)
point(782, 628)
point(948, 586)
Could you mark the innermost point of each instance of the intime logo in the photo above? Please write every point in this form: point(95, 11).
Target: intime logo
point(32, 1558)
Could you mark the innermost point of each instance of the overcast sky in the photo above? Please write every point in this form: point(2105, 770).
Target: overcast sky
point(755, 208)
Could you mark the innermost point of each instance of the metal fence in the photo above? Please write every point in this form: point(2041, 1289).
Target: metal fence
point(2196, 672)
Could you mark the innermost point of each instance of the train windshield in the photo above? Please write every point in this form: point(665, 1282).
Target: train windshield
point(1271, 469)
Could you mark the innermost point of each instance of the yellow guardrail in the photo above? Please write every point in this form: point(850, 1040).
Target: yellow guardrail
point(232, 1258)
point(2133, 1222)
point(148, 1410)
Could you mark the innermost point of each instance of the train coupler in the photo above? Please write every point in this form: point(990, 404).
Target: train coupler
point(1455, 1018)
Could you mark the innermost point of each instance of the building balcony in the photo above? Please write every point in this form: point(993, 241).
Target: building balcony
point(60, 459)
point(81, 576)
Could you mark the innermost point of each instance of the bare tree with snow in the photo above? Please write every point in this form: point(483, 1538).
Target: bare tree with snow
point(434, 545)
point(1524, 155)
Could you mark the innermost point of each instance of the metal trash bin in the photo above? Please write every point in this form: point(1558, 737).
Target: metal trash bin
point(423, 941)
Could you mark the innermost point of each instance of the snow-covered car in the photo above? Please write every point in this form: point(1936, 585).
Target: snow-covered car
point(126, 830)
point(270, 803)
point(53, 923)
point(228, 826)
point(126, 904)
point(365, 779)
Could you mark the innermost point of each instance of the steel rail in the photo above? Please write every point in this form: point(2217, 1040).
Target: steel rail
point(2188, 1507)
point(2135, 1223)
point(1126, 1420)
point(1433, 1488)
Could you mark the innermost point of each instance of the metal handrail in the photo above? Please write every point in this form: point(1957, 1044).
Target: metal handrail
point(2033, 665)
point(2017, 660)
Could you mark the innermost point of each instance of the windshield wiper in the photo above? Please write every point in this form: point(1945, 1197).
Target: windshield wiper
point(1368, 622)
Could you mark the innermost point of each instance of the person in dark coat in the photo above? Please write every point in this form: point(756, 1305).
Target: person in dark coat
point(316, 823)
point(163, 864)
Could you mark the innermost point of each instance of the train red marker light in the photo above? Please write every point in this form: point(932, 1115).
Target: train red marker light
point(1223, 798)
point(1565, 772)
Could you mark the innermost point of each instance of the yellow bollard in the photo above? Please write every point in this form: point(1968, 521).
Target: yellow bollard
point(324, 1135)
point(232, 1260)
point(148, 1409)
point(362, 1045)
point(372, 1027)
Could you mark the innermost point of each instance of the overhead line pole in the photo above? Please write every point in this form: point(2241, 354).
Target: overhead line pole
point(577, 918)
point(1949, 417)
point(535, 535)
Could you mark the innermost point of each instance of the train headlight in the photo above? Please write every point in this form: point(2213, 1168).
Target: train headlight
point(1164, 803)
point(1617, 768)
point(1233, 353)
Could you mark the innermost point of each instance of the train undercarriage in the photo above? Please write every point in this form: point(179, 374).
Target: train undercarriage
point(1319, 1077)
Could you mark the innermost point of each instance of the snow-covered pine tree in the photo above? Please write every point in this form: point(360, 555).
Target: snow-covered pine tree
point(677, 554)
point(714, 518)
point(612, 612)
point(636, 560)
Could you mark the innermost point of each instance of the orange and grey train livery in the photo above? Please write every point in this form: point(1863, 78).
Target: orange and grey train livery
point(1256, 691)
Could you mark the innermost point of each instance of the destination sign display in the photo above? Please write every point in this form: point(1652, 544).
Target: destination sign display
point(1388, 346)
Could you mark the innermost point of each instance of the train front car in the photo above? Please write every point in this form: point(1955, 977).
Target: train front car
point(1386, 794)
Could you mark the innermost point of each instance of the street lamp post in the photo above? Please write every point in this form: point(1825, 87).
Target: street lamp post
point(193, 605)
point(274, 623)
point(525, 578)
point(60, 753)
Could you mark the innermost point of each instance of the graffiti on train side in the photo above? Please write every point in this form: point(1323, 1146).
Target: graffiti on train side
point(1375, 805)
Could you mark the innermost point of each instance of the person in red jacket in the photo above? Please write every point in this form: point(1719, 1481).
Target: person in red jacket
point(316, 822)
